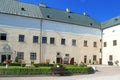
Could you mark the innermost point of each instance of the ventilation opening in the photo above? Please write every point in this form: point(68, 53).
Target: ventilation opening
point(23, 9)
point(48, 16)
point(91, 24)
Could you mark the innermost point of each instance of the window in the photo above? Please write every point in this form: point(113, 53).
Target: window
point(95, 44)
point(44, 39)
point(3, 36)
point(85, 43)
point(20, 55)
point(58, 54)
point(114, 42)
point(85, 59)
point(105, 44)
point(100, 49)
point(35, 39)
point(66, 60)
point(62, 41)
point(110, 57)
point(73, 42)
point(33, 56)
point(52, 40)
point(21, 38)
point(67, 55)
point(94, 57)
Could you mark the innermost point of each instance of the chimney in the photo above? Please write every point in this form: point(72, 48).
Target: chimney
point(85, 14)
point(42, 5)
point(67, 10)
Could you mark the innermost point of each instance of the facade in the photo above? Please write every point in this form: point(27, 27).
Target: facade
point(111, 41)
point(41, 34)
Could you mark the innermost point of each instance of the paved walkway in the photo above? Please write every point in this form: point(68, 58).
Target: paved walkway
point(104, 73)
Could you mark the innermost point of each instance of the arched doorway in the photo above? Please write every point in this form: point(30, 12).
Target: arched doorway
point(5, 52)
point(59, 60)
point(72, 61)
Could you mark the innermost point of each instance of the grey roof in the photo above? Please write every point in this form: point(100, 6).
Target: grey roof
point(112, 22)
point(18, 8)
point(15, 7)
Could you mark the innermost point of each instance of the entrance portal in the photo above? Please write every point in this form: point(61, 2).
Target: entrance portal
point(4, 57)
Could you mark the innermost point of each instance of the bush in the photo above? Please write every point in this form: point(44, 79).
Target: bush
point(24, 71)
point(45, 65)
point(15, 64)
point(2, 64)
point(79, 70)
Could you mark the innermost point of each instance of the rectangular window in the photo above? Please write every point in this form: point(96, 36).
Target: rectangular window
point(95, 44)
point(3, 36)
point(110, 57)
point(33, 56)
point(67, 54)
point(44, 39)
point(94, 57)
point(21, 38)
point(105, 44)
point(85, 43)
point(114, 42)
point(35, 39)
point(62, 41)
point(73, 42)
point(52, 40)
point(20, 55)
point(85, 59)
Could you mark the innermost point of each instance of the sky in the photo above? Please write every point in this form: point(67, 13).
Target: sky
point(100, 10)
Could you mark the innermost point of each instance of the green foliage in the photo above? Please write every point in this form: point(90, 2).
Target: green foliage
point(40, 65)
point(14, 64)
point(24, 71)
point(79, 70)
point(17, 69)
point(16, 59)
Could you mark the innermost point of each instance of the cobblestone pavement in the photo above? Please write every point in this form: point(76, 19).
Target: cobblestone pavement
point(103, 73)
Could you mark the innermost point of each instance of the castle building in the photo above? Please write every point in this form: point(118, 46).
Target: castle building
point(37, 33)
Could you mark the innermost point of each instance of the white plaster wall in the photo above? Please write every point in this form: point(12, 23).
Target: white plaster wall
point(109, 35)
point(69, 28)
point(18, 21)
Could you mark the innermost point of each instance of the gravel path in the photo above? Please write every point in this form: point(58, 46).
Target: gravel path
point(103, 73)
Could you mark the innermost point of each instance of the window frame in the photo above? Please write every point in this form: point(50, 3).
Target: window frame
point(85, 43)
point(20, 55)
point(94, 44)
point(63, 41)
point(21, 38)
point(74, 42)
point(35, 39)
point(3, 36)
point(114, 42)
point(44, 40)
point(33, 56)
point(52, 40)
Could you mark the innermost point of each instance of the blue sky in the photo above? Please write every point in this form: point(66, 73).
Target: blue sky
point(100, 10)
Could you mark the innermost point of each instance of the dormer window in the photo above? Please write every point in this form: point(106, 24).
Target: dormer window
point(116, 19)
point(23, 9)
point(48, 16)
point(91, 24)
point(69, 17)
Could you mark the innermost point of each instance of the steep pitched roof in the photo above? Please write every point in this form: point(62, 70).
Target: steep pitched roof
point(112, 22)
point(15, 7)
point(18, 8)
point(69, 17)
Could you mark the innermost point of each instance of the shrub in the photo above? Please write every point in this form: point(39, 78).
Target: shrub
point(24, 71)
point(46, 65)
point(79, 70)
point(15, 64)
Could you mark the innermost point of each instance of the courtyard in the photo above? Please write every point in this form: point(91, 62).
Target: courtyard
point(103, 73)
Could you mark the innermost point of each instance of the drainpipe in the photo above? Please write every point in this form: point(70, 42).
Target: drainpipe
point(102, 45)
point(40, 40)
